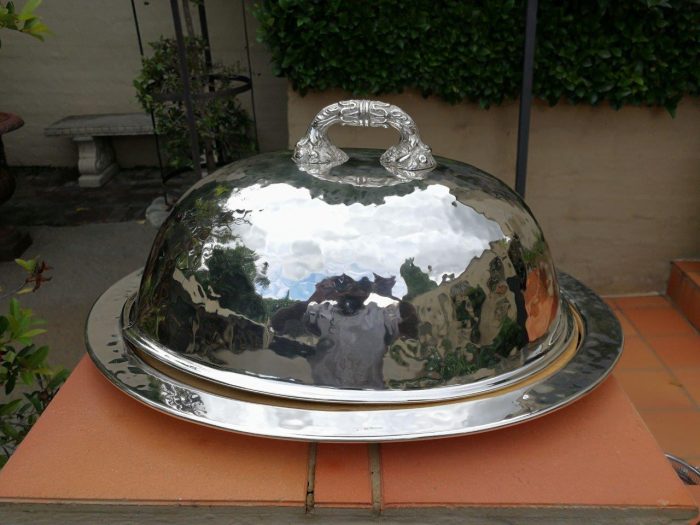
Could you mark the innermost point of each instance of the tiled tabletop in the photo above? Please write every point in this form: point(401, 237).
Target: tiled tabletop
point(660, 371)
point(96, 453)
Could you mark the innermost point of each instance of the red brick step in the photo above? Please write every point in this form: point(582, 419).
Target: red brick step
point(684, 288)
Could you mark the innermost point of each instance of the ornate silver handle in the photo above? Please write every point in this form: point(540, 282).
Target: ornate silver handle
point(410, 154)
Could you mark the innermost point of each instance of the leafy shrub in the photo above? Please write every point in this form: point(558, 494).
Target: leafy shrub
point(22, 362)
point(222, 125)
point(641, 52)
point(24, 20)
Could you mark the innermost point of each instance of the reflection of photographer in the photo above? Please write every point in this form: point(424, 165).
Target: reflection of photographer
point(353, 322)
point(353, 332)
point(350, 349)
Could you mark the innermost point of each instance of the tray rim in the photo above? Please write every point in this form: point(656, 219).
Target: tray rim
point(599, 349)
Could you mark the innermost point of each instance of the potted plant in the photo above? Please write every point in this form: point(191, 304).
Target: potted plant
point(12, 241)
point(22, 362)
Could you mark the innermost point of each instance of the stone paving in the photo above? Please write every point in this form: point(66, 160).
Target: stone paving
point(101, 236)
point(52, 197)
point(85, 261)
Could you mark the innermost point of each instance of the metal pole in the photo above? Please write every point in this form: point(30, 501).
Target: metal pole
point(250, 73)
point(153, 117)
point(526, 98)
point(186, 91)
point(204, 29)
point(208, 62)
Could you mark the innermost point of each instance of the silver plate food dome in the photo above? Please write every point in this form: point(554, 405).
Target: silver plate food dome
point(352, 296)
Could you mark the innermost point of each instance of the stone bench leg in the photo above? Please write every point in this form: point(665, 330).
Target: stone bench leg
point(95, 161)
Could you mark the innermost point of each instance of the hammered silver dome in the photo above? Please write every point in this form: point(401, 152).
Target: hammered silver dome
point(272, 279)
point(353, 280)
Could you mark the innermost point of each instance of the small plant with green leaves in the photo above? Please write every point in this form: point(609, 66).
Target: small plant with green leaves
point(223, 127)
point(24, 20)
point(24, 363)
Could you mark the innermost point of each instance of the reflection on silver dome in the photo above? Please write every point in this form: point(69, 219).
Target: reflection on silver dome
point(319, 239)
point(270, 279)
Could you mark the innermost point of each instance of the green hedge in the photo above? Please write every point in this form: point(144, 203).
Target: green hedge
point(626, 51)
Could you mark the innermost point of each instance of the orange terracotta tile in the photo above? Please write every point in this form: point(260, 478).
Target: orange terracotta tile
point(687, 297)
point(695, 492)
point(676, 431)
point(694, 461)
point(693, 311)
point(675, 279)
point(653, 389)
point(690, 378)
point(658, 321)
point(94, 443)
point(610, 301)
point(342, 476)
point(641, 301)
point(677, 351)
point(691, 308)
point(595, 452)
point(688, 266)
point(637, 354)
point(695, 277)
point(627, 328)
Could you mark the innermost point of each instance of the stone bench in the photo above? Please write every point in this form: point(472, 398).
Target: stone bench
point(96, 161)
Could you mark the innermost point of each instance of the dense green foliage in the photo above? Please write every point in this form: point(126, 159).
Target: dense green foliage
point(641, 52)
point(223, 126)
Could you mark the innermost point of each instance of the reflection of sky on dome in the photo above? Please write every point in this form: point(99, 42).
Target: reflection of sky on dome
point(305, 239)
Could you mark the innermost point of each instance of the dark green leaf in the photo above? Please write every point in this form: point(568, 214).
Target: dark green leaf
point(10, 384)
point(27, 377)
point(34, 400)
point(58, 379)
point(11, 407)
point(38, 357)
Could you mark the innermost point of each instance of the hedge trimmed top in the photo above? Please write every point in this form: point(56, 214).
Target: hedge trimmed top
point(632, 52)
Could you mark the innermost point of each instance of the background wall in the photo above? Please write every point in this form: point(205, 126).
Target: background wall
point(617, 193)
point(88, 65)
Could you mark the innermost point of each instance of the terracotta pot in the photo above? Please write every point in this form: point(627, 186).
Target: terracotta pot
point(7, 184)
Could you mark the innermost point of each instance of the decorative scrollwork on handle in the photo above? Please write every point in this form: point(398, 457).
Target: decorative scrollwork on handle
point(410, 154)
